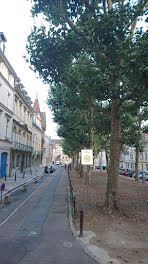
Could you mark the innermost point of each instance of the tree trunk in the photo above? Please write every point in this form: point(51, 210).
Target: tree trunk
point(81, 171)
point(137, 146)
point(111, 202)
point(77, 161)
point(101, 161)
point(73, 161)
point(107, 160)
point(90, 138)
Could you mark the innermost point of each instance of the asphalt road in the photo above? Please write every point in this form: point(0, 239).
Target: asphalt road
point(37, 231)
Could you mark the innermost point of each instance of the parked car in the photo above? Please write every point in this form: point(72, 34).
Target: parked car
point(126, 171)
point(130, 172)
point(121, 170)
point(97, 167)
point(49, 169)
point(141, 174)
point(52, 168)
point(62, 165)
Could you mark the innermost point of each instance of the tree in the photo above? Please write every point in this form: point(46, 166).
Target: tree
point(105, 31)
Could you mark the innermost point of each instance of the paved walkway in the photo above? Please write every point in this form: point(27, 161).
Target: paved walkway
point(39, 232)
point(20, 178)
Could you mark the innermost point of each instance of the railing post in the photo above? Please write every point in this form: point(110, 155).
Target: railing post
point(15, 175)
point(74, 205)
point(81, 224)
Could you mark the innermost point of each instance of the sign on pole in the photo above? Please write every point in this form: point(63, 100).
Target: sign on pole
point(86, 157)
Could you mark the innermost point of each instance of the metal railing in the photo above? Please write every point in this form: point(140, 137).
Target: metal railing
point(20, 146)
point(72, 195)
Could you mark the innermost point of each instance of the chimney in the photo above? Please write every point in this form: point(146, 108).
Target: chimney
point(2, 42)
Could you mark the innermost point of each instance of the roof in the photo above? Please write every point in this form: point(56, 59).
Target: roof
point(36, 106)
point(3, 37)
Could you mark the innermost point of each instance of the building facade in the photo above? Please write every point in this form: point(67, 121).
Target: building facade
point(36, 140)
point(47, 151)
point(58, 154)
point(21, 150)
point(128, 157)
point(7, 77)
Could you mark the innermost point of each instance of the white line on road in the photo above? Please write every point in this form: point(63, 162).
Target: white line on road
point(8, 217)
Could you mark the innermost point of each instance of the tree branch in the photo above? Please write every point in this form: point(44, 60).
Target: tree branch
point(75, 28)
point(104, 6)
point(90, 8)
point(110, 4)
point(140, 6)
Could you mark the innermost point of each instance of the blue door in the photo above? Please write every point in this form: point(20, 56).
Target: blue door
point(3, 164)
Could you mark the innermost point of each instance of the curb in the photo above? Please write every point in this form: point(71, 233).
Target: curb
point(13, 189)
point(86, 250)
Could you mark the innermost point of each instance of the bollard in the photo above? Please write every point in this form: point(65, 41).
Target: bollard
point(15, 175)
point(7, 199)
point(23, 175)
point(81, 224)
point(35, 180)
point(24, 188)
point(74, 205)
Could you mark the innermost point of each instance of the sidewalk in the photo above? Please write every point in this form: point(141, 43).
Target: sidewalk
point(19, 178)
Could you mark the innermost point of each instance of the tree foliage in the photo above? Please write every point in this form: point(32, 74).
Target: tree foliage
point(112, 66)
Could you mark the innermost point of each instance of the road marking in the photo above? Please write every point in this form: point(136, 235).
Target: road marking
point(33, 233)
point(67, 244)
point(9, 216)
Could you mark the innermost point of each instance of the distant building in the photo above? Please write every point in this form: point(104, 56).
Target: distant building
point(37, 135)
point(47, 151)
point(58, 155)
point(143, 159)
point(128, 157)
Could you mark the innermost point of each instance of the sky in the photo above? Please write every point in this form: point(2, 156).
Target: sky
point(16, 23)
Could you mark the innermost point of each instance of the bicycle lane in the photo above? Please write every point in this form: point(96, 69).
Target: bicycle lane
point(57, 244)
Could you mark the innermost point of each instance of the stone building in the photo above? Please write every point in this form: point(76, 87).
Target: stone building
point(128, 157)
point(39, 128)
point(143, 158)
point(21, 151)
point(7, 76)
point(47, 151)
point(58, 154)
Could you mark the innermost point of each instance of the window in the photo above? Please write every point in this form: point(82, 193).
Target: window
point(20, 109)
point(141, 156)
point(16, 110)
point(7, 126)
point(131, 156)
point(8, 99)
point(145, 155)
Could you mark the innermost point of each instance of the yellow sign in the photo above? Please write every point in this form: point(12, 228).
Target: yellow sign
point(87, 157)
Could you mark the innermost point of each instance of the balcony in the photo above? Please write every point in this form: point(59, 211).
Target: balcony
point(21, 147)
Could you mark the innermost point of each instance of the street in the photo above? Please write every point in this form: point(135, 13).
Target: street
point(38, 231)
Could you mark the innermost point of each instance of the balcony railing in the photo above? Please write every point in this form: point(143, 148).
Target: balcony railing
point(22, 147)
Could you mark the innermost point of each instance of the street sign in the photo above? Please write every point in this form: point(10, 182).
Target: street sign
point(3, 187)
point(86, 157)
